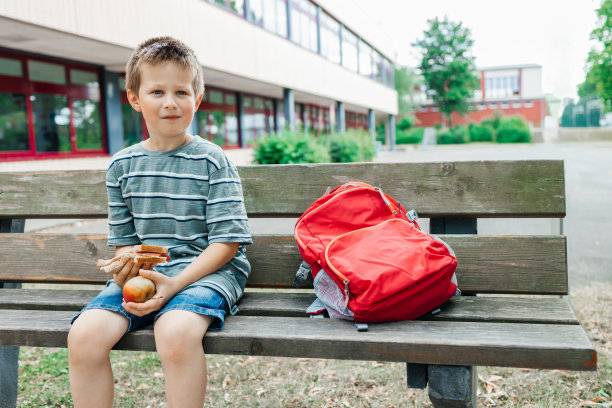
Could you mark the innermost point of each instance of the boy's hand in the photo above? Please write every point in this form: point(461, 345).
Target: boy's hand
point(164, 291)
point(129, 270)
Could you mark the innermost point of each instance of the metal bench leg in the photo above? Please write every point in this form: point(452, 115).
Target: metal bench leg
point(9, 355)
point(452, 386)
point(9, 366)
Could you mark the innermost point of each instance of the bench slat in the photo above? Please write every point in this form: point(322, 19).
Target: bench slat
point(521, 188)
point(550, 310)
point(519, 264)
point(433, 342)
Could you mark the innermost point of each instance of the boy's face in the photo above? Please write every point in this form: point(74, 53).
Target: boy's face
point(166, 99)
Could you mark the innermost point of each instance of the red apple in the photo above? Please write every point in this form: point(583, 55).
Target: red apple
point(138, 289)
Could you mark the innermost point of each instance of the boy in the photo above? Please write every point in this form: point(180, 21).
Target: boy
point(172, 190)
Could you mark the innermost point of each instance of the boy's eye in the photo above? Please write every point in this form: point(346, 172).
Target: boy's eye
point(182, 93)
point(157, 92)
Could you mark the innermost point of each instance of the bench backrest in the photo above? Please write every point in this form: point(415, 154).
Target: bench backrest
point(496, 264)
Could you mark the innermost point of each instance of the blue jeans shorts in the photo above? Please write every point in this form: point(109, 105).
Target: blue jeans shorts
point(197, 299)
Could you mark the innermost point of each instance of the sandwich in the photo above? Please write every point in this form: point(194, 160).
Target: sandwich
point(141, 254)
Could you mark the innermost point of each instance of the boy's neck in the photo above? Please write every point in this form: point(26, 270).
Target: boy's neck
point(163, 145)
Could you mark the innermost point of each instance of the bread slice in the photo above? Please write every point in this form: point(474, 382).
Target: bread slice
point(151, 249)
point(141, 254)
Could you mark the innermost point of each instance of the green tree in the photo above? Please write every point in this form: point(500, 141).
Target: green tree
point(447, 65)
point(599, 61)
point(405, 82)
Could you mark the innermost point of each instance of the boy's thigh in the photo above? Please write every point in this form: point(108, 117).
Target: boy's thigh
point(201, 306)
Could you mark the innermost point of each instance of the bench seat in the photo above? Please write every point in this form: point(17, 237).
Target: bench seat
point(551, 346)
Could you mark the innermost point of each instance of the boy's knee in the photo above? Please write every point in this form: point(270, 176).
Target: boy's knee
point(176, 342)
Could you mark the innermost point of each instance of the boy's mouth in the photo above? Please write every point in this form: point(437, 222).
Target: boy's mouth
point(171, 117)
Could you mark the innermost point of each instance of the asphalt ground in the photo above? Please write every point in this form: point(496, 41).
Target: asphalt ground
point(588, 224)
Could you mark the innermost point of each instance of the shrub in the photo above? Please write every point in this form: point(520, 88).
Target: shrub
point(412, 136)
point(458, 134)
point(480, 133)
point(494, 121)
point(405, 124)
point(352, 146)
point(296, 147)
point(289, 147)
point(513, 130)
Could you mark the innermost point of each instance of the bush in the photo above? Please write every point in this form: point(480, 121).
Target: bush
point(289, 147)
point(412, 136)
point(352, 146)
point(481, 133)
point(494, 121)
point(458, 134)
point(296, 147)
point(405, 124)
point(513, 130)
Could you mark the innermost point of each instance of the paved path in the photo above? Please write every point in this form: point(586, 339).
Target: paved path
point(588, 225)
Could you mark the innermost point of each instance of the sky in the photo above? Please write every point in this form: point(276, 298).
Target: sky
point(552, 33)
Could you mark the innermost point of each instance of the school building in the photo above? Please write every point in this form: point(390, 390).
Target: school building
point(268, 64)
point(514, 90)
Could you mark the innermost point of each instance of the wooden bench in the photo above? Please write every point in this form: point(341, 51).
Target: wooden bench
point(507, 327)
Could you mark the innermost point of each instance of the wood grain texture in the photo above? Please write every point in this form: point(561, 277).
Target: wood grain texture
point(518, 264)
point(434, 342)
point(532, 188)
point(547, 310)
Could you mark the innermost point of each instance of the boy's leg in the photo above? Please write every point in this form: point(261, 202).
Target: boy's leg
point(178, 338)
point(90, 340)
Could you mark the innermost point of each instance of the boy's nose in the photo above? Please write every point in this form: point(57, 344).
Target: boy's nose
point(170, 103)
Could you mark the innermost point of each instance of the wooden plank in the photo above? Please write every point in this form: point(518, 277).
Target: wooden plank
point(546, 310)
point(533, 188)
point(518, 264)
point(447, 343)
point(53, 194)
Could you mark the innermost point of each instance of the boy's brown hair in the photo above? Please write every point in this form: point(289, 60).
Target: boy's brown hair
point(159, 50)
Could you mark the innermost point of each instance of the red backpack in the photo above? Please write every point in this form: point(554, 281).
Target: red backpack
point(369, 259)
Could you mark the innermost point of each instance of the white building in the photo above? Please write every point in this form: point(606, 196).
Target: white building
point(267, 64)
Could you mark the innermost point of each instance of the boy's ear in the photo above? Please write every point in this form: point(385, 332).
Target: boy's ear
point(133, 100)
point(199, 101)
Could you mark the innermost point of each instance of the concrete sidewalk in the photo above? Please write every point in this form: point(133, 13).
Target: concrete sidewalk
point(240, 157)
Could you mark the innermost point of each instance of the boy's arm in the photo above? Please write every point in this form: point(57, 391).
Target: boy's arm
point(210, 260)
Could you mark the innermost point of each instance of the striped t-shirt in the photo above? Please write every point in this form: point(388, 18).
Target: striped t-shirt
point(183, 199)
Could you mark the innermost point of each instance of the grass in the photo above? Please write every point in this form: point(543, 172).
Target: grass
point(243, 381)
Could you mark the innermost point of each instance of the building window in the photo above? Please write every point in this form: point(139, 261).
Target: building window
point(481, 106)
point(236, 6)
point(270, 14)
point(365, 59)
point(378, 67)
point(528, 104)
point(13, 122)
point(349, 50)
point(516, 104)
point(504, 105)
point(47, 72)
point(389, 73)
point(11, 67)
point(217, 118)
point(330, 38)
point(51, 122)
point(304, 24)
point(493, 106)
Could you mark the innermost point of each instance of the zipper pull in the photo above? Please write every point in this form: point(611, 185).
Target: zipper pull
point(346, 293)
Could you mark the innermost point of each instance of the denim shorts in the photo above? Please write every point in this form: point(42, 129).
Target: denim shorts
point(194, 298)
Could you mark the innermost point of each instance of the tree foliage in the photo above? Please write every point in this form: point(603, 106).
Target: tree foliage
point(599, 62)
point(405, 80)
point(447, 65)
